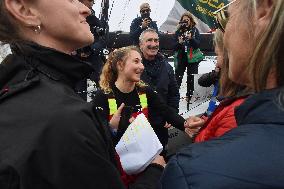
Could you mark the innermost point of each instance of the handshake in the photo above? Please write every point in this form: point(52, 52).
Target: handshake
point(192, 125)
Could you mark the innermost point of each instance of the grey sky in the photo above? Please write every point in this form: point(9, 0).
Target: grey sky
point(124, 11)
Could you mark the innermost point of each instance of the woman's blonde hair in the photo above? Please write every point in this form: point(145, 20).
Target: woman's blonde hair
point(268, 45)
point(109, 73)
point(191, 18)
point(227, 87)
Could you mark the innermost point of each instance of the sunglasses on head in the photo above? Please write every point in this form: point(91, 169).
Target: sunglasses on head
point(222, 16)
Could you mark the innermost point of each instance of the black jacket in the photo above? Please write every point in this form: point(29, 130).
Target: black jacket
point(136, 30)
point(249, 156)
point(49, 137)
point(159, 75)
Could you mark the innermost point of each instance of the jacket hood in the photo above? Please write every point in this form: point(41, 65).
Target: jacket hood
point(266, 107)
point(57, 65)
point(20, 69)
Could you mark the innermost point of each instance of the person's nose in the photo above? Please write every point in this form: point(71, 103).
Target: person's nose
point(84, 10)
point(141, 66)
point(153, 43)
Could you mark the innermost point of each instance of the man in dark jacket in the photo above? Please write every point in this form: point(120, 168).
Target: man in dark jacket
point(142, 23)
point(238, 158)
point(159, 74)
point(94, 52)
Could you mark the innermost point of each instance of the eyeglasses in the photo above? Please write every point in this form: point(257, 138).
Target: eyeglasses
point(222, 16)
point(145, 11)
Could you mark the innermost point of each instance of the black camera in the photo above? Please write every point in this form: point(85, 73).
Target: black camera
point(185, 36)
point(183, 24)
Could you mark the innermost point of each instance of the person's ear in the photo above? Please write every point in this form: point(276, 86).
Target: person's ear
point(119, 65)
point(23, 12)
point(264, 14)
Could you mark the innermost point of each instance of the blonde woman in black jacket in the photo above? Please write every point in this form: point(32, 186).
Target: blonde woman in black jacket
point(50, 137)
point(251, 155)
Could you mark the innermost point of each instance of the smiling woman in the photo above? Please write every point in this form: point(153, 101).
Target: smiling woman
point(49, 136)
point(124, 95)
point(46, 24)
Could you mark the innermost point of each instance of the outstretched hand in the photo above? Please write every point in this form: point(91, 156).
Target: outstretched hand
point(193, 124)
point(114, 122)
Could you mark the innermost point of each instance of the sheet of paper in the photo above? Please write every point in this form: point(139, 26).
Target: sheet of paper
point(138, 146)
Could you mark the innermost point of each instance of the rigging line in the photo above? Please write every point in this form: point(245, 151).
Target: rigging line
point(194, 107)
point(119, 24)
point(101, 11)
point(156, 9)
point(110, 11)
point(124, 14)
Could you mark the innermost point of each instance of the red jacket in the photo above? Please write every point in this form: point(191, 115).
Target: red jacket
point(221, 121)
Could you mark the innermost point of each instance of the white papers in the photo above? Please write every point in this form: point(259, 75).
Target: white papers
point(138, 146)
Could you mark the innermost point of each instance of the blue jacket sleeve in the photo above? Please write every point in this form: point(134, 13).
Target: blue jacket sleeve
point(154, 26)
point(135, 29)
point(173, 176)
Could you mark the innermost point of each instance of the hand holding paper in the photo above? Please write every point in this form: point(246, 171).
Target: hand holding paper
point(138, 146)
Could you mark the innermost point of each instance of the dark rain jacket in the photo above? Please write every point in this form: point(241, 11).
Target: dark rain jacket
point(136, 29)
point(49, 137)
point(249, 156)
point(159, 75)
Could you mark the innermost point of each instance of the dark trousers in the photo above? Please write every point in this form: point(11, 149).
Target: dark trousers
point(192, 68)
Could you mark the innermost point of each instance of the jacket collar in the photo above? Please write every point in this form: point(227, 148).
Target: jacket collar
point(262, 108)
point(52, 63)
point(159, 57)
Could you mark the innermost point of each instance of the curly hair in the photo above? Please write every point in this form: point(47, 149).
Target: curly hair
point(191, 18)
point(110, 72)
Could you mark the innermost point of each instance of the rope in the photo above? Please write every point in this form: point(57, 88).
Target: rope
point(110, 11)
point(124, 13)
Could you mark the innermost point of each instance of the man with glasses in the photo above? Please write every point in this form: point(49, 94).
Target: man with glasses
point(142, 23)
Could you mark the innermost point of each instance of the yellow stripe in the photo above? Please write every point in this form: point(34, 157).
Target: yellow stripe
point(112, 106)
point(143, 101)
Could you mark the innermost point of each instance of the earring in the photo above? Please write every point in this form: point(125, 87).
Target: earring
point(37, 29)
